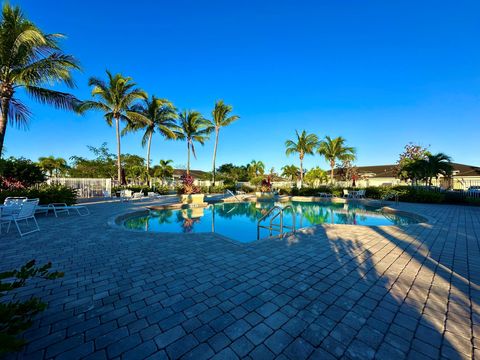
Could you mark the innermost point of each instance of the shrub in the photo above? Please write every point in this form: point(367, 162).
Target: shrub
point(21, 170)
point(247, 189)
point(162, 189)
point(16, 316)
point(47, 194)
point(217, 189)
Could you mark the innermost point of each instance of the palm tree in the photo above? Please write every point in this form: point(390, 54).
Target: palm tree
point(256, 168)
point(165, 170)
point(221, 118)
point(115, 99)
point(305, 145)
point(290, 172)
point(30, 59)
point(315, 176)
point(193, 128)
point(335, 149)
point(156, 115)
point(52, 165)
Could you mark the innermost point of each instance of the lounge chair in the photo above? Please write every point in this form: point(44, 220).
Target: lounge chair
point(325, 195)
point(59, 208)
point(26, 212)
point(106, 194)
point(125, 195)
point(138, 195)
point(346, 194)
point(360, 194)
point(152, 194)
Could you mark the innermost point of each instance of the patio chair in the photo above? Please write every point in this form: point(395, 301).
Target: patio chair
point(106, 194)
point(125, 195)
point(152, 194)
point(361, 194)
point(346, 194)
point(138, 195)
point(12, 205)
point(325, 195)
point(25, 213)
point(59, 208)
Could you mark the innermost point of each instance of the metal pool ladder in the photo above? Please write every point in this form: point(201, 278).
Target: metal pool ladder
point(276, 227)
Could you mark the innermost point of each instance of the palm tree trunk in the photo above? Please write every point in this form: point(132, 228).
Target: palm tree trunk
point(188, 158)
point(332, 165)
point(119, 160)
point(148, 158)
point(5, 102)
point(301, 172)
point(214, 156)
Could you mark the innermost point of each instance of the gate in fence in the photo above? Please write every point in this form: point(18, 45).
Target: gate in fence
point(86, 187)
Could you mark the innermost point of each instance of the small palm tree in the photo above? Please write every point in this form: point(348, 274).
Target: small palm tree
point(52, 165)
point(164, 170)
point(335, 149)
point(305, 145)
point(193, 128)
point(290, 172)
point(156, 115)
point(30, 59)
point(221, 118)
point(115, 99)
point(256, 168)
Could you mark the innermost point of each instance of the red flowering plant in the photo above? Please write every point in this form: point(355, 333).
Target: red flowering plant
point(9, 183)
point(266, 185)
point(188, 188)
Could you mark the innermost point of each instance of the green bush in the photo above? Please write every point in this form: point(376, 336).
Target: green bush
point(46, 193)
point(247, 189)
point(162, 189)
point(217, 189)
point(23, 170)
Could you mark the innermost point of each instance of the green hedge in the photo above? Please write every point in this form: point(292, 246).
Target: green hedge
point(46, 193)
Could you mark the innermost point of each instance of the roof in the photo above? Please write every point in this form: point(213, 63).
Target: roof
point(194, 173)
point(379, 171)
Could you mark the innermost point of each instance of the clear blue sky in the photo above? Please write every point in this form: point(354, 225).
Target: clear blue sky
point(379, 73)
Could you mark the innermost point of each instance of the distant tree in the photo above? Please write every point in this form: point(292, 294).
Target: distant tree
point(21, 169)
point(316, 176)
point(164, 171)
point(291, 172)
point(115, 98)
point(335, 149)
point(411, 153)
point(53, 166)
point(102, 166)
point(230, 173)
point(256, 168)
point(193, 128)
point(304, 144)
point(30, 59)
point(425, 169)
point(220, 118)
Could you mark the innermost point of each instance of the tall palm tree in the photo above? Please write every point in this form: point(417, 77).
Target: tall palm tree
point(157, 115)
point(290, 172)
point(193, 128)
point(256, 168)
point(221, 118)
point(305, 145)
point(115, 98)
point(30, 59)
point(335, 149)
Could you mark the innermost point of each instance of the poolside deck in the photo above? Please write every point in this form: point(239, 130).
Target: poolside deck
point(328, 292)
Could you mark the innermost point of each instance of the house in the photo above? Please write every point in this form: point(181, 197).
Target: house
point(463, 176)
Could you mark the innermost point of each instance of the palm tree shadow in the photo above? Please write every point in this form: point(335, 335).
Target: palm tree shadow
point(364, 283)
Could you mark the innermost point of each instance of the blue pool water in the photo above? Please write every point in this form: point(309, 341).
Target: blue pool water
point(238, 221)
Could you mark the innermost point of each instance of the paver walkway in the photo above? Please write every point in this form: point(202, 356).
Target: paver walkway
point(329, 292)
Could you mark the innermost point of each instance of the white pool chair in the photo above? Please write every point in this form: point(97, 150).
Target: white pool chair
point(325, 195)
point(125, 195)
point(12, 205)
point(360, 194)
point(59, 208)
point(26, 212)
point(138, 195)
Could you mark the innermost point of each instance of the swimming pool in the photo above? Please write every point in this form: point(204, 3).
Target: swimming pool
point(238, 221)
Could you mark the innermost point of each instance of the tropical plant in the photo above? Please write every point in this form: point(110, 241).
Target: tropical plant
point(290, 172)
point(53, 166)
point(115, 98)
point(220, 118)
point(193, 128)
point(16, 316)
point(157, 115)
point(256, 168)
point(23, 170)
point(316, 176)
point(427, 168)
point(411, 153)
point(164, 171)
point(102, 166)
point(30, 59)
point(305, 144)
point(335, 149)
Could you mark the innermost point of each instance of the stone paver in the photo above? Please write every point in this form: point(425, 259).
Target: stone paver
point(327, 292)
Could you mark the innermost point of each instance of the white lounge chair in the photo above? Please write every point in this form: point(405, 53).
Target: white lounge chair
point(138, 195)
point(58, 208)
point(106, 194)
point(346, 194)
point(360, 194)
point(125, 195)
point(12, 205)
point(152, 194)
point(26, 212)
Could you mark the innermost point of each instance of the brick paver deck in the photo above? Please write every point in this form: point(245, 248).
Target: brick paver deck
point(329, 292)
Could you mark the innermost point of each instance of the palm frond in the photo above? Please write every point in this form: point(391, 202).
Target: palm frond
point(18, 114)
point(58, 99)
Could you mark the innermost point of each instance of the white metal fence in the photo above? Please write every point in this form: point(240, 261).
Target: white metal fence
point(86, 187)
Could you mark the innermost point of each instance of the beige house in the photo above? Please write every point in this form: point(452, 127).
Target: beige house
point(463, 177)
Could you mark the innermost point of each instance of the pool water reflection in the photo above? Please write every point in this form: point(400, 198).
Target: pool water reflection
point(238, 221)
